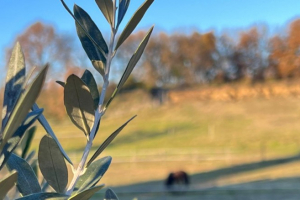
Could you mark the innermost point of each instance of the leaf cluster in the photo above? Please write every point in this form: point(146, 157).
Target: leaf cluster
point(85, 107)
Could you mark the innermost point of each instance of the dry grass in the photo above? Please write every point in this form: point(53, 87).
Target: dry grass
point(239, 91)
point(196, 136)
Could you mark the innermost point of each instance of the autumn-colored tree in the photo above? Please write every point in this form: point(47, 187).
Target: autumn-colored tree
point(285, 51)
point(194, 56)
point(156, 67)
point(279, 53)
point(158, 64)
point(188, 59)
point(41, 42)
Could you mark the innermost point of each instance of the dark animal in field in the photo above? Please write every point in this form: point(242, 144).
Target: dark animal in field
point(177, 178)
point(159, 94)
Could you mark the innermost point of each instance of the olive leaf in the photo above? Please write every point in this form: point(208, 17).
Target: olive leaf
point(16, 137)
point(110, 195)
point(133, 22)
point(89, 80)
point(107, 142)
point(123, 6)
point(79, 103)
point(27, 182)
point(44, 195)
point(15, 79)
point(93, 174)
point(88, 24)
point(22, 107)
point(49, 130)
point(99, 66)
point(132, 62)
point(52, 164)
point(34, 166)
point(106, 7)
point(7, 183)
point(86, 194)
point(61, 83)
point(27, 139)
point(83, 28)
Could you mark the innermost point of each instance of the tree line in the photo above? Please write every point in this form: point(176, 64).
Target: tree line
point(186, 60)
point(176, 60)
point(170, 60)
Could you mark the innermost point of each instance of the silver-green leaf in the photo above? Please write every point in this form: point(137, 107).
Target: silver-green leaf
point(52, 164)
point(133, 22)
point(79, 103)
point(123, 6)
point(44, 196)
point(110, 195)
point(106, 7)
point(27, 139)
point(92, 51)
point(99, 66)
point(86, 194)
point(108, 141)
point(61, 83)
point(23, 105)
point(89, 80)
point(13, 142)
point(132, 63)
point(15, 79)
point(27, 182)
point(49, 130)
point(93, 174)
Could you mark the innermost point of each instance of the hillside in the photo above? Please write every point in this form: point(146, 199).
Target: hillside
point(190, 134)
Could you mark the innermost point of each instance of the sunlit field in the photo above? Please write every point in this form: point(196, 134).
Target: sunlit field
point(254, 126)
point(195, 136)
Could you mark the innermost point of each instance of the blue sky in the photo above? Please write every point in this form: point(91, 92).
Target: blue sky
point(167, 15)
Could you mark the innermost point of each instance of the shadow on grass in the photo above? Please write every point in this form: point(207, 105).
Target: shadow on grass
point(136, 136)
point(198, 180)
point(128, 139)
point(144, 135)
point(216, 174)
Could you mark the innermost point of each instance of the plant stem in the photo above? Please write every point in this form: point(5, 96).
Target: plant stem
point(80, 167)
point(99, 112)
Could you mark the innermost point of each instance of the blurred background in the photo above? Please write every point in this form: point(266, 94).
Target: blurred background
point(217, 94)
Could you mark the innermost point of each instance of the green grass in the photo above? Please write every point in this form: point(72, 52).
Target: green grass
point(242, 127)
point(234, 132)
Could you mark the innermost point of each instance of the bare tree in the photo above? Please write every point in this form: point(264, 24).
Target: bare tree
point(253, 49)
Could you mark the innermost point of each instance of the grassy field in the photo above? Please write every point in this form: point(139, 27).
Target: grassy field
point(196, 136)
point(246, 127)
